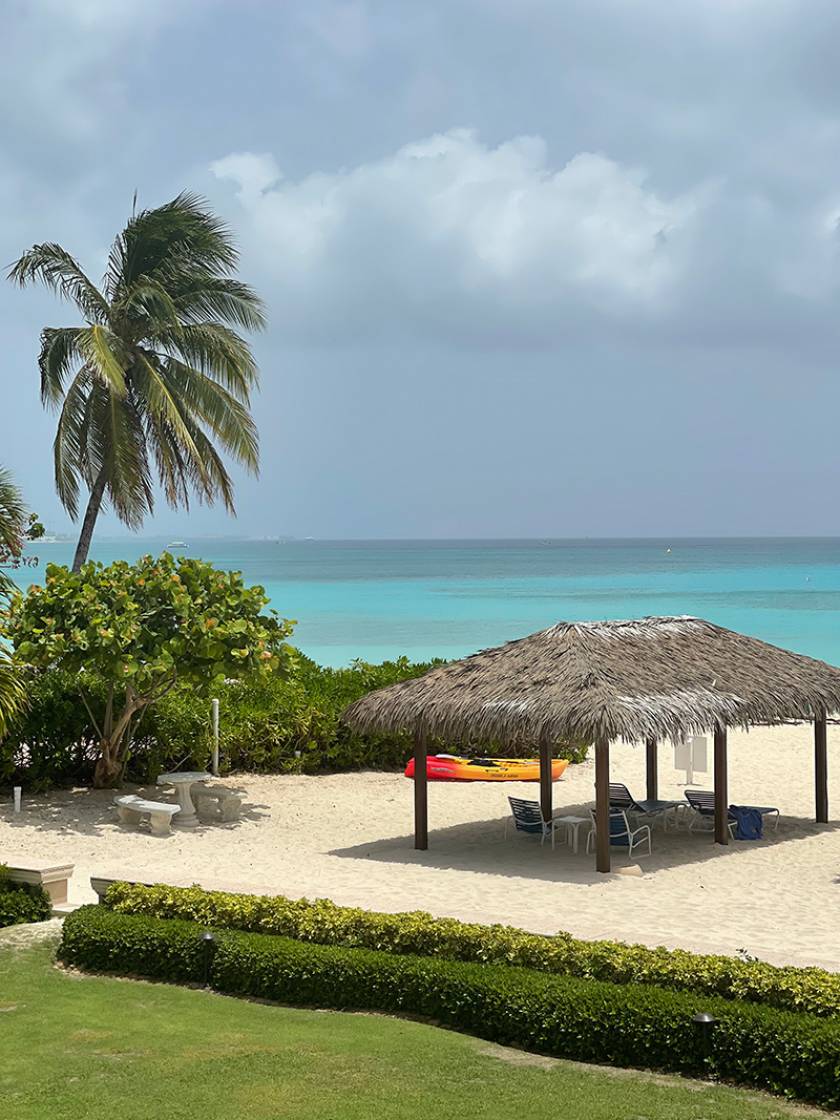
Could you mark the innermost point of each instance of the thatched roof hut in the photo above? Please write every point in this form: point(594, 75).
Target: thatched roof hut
point(642, 679)
point(631, 680)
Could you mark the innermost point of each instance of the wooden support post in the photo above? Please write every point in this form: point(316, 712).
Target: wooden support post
point(545, 777)
point(602, 804)
point(721, 788)
point(421, 792)
point(652, 771)
point(821, 768)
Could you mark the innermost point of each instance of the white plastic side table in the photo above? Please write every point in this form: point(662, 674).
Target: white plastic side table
point(573, 829)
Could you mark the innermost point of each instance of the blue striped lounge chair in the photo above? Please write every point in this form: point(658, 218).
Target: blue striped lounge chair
point(702, 801)
point(622, 798)
point(527, 817)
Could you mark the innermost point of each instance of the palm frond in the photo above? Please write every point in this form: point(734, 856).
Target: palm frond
point(220, 482)
point(104, 355)
point(172, 466)
point(215, 408)
point(59, 352)
point(218, 352)
point(70, 447)
point(183, 233)
point(13, 514)
point(155, 396)
point(59, 271)
point(129, 487)
point(200, 296)
point(98, 430)
point(184, 453)
point(13, 697)
point(146, 307)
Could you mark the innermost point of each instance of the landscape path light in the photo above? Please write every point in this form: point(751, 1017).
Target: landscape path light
point(705, 1024)
point(208, 948)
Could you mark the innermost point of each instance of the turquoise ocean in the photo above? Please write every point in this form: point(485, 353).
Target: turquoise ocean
point(383, 599)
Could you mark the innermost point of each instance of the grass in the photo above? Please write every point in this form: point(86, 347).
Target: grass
point(94, 1047)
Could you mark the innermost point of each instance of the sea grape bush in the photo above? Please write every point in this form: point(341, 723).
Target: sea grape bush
point(812, 990)
point(144, 629)
point(588, 1020)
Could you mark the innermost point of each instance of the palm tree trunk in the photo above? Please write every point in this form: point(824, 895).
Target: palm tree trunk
point(91, 513)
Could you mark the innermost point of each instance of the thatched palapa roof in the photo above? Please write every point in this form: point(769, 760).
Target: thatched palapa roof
point(645, 678)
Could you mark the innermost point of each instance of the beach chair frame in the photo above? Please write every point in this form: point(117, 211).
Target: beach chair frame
point(635, 836)
point(622, 798)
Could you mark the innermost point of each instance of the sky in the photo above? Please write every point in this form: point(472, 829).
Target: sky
point(551, 268)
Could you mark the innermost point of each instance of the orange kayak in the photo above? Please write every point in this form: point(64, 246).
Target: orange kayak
point(450, 768)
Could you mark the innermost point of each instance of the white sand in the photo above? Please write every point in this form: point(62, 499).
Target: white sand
point(348, 837)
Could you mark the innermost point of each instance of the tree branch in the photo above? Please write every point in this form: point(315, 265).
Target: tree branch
point(96, 726)
point(163, 690)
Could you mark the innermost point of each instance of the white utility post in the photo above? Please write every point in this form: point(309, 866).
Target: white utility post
point(214, 709)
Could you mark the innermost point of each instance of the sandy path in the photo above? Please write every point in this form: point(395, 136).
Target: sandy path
point(347, 837)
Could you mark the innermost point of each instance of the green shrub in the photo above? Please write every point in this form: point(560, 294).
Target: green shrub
point(585, 1020)
point(21, 902)
point(53, 741)
point(796, 989)
point(274, 725)
point(268, 725)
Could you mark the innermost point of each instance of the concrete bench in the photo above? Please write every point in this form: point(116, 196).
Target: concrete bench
point(53, 877)
point(132, 809)
point(215, 802)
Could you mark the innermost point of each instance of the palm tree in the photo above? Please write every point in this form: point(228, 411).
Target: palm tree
point(13, 523)
point(157, 380)
point(14, 518)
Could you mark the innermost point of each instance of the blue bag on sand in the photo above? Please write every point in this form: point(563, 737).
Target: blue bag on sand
point(749, 824)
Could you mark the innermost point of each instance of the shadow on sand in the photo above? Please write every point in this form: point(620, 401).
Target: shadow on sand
point(91, 812)
point(481, 847)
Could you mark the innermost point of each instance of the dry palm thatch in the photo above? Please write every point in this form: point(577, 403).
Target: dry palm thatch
point(645, 678)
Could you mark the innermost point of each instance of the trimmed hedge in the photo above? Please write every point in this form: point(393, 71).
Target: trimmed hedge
point(22, 902)
point(585, 1020)
point(795, 989)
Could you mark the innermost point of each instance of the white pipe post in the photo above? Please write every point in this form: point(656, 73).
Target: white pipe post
point(214, 708)
point(17, 792)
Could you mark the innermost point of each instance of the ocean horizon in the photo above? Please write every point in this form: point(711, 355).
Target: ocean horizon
point(378, 600)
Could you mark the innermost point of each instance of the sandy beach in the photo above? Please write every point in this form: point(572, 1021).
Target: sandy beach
point(348, 837)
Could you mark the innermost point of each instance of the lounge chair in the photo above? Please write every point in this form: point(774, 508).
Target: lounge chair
point(622, 798)
point(621, 834)
point(527, 817)
point(702, 801)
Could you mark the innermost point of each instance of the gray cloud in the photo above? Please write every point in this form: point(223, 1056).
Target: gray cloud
point(456, 237)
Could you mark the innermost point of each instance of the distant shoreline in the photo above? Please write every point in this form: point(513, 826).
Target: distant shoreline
point(245, 539)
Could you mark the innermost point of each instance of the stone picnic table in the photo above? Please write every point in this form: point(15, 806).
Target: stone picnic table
point(182, 780)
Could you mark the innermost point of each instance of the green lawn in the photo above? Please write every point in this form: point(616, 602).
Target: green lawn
point(83, 1047)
